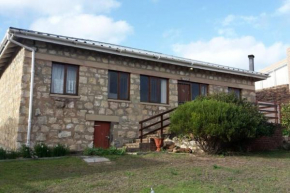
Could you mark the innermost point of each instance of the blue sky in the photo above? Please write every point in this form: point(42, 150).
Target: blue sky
point(222, 32)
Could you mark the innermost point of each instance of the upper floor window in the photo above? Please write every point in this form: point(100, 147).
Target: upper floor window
point(119, 85)
point(198, 90)
point(153, 89)
point(188, 91)
point(236, 91)
point(64, 79)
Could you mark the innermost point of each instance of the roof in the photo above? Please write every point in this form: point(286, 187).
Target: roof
point(5, 52)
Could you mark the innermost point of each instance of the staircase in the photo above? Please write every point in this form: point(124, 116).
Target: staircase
point(155, 126)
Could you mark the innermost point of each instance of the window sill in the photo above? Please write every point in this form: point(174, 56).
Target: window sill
point(119, 101)
point(156, 104)
point(65, 96)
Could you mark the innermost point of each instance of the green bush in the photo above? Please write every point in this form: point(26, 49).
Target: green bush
point(285, 111)
point(26, 152)
point(60, 150)
point(101, 151)
point(12, 154)
point(220, 122)
point(42, 150)
point(3, 153)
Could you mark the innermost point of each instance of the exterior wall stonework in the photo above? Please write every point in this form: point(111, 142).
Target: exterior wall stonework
point(10, 97)
point(63, 119)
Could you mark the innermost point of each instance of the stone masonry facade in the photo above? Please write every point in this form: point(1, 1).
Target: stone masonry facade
point(61, 119)
point(10, 97)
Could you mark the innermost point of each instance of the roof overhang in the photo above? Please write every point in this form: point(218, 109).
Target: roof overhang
point(7, 51)
point(120, 50)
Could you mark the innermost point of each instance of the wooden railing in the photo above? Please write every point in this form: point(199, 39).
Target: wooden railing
point(160, 124)
point(271, 111)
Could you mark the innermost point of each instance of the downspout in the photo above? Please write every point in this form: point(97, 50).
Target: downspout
point(10, 39)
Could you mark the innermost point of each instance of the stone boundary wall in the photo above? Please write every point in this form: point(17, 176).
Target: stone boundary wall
point(268, 143)
point(10, 99)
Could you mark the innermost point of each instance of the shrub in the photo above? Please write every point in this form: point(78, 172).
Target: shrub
point(12, 154)
point(59, 150)
point(101, 151)
point(42, 150)
point(26, 152)
point(285, 111)
point(220, 122)
point(3, 153)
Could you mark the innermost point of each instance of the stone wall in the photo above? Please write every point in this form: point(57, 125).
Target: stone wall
point(10, 97)
point(279, 94)
point(63, 120)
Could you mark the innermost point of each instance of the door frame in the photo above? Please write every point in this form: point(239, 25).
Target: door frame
point(186, 83)
point(110, 135)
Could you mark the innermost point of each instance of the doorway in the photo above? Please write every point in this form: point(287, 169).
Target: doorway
point(102, 134)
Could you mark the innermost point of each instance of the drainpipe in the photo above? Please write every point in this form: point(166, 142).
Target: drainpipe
point(10, 39)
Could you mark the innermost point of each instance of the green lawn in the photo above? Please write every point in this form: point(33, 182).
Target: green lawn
point(263, 172)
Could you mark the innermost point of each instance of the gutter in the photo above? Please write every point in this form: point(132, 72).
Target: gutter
point(10, 39)
point(130, 52)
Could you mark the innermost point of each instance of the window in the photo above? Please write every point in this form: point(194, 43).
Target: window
point(198, 90)
point(153, 89)
point(119, 85)
point(236, 91)
point(189, 91)
point(64, 79)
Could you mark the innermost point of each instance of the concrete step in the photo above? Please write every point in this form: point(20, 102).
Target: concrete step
point(140, 147)
point(132, 145)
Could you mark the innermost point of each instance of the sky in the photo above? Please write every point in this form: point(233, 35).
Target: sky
point(223, 32)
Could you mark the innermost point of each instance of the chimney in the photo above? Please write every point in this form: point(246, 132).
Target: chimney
point(251, 62)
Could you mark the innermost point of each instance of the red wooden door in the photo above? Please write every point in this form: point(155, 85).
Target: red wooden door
point(183, 92)
point(102, 135)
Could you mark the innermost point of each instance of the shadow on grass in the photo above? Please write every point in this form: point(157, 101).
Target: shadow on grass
point(18, 175)
point(274, 154)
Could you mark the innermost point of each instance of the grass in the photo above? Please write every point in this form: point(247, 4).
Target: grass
point(260, 172)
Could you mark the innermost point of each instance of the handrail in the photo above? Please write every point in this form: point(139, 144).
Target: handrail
point(161, 122)
point(155, 116)
point(268, 109)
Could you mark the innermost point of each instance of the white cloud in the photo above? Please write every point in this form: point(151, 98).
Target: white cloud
point(228, 20)
point(52, 7)
point(259, 21)
point(171, 33)
point(77, 18)
point(285, 8)
point(227, 31)
point(95, 27)
point(233, 51)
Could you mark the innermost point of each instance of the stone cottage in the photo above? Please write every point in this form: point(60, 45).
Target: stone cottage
point(56, 89)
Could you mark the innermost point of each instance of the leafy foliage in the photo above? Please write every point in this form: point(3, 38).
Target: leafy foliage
point(2, 153)
point(26, 152)
point(101, 151)
point(285, 110)
point(59, 150)
point(42, 150)
point(219, 122)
